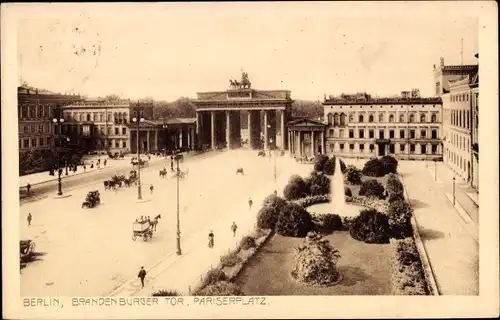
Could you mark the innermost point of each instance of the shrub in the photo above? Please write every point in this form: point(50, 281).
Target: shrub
point(332, 222)
point(230, 260)
point(372, 188)
point(214, 275)
point(390, 164)
point(352, 175)
point(370, 226)
point(165, 293)
point(268, 214)
point(343, 167)
point(374, 168)
point(316, 261)
point(399, 217)
point(395, 197)
point(318, 184)
point(220, 288)
point(295, 189)
point(408, 277)
point(273, 201)
point(319, 162)
point(247, 242)
point(347, 192)
point(394, 186)
point(309, 201)
point(329, 167)
point(293, 221)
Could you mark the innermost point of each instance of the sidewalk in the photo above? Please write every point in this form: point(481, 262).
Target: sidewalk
point(184, 273)
point(466, 197)
point(452, 250)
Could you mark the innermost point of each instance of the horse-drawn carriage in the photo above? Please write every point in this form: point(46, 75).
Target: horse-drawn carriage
point(27, 248)
point(144, 228)
point(134, 162)
point(180, 174)
point(93, 199)
point(261, 153)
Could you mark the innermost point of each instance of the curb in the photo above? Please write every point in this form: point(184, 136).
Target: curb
point(64, 177)
point(424, 258)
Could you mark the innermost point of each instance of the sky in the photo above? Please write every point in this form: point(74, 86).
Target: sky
point(170, 51)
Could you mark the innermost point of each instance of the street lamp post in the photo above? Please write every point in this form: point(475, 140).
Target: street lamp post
point(59, 121)
point(179, 252)
point(275, 187)
point(435, 170)
point(453, 190)
point(139, 191)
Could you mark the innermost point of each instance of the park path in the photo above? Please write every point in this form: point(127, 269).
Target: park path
point(448, 238)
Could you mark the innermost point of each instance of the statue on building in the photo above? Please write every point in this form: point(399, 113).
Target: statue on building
point(243, 84)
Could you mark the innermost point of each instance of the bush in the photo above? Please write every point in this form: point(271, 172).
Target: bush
point(165, 293)
point(319, 162)
point(214, 275)
point(318, 184)
point(353, 175)
point(372, 188)
point(374, 168)
point(329, 167)
point(220, 288)
point(309, 201)
point(395, 188)
point(231, 259)
point(370, 226)
point(316, 261)
point(347, 192)
point(390, 164)
point(332, 222)
point(295, 189)
point(268, 214)
point(247, 242)
point(395, 197)
point(399, 217)
point(408, 277)
point(294, 221)
point(343, 167)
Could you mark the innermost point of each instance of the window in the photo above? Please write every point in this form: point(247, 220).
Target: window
point(351, 146)
point(412, 118)
point(20, 144)
point(40, 142)
point(26, 143)
point(370, 118)
point(351, 118)
point(330, 119)
point(124, 144)
point(342, 119)
point(412, 134)
point(391, 118)
point(391, 134)
point(434, 149)
point(381, 117)
point(372, 147)
point(361, 133)
point(341, 146)
point(109, 131)
point(88, 116)
point(32, 112)
point(422, 118)
point(342, 133)
point(336, 119)
point(402, 147)
point(381, 134)
point(401, 134)
point(422, 133)
point(117, 132)
point(48, 141)
point(109, 117)
point(33, 142)
point(117, 144)
point(124, 131)
point(40, 111)
point(434, 118)
point(351, 133)
point(412, 148)
point(371, 134)
point(26, 129)
point(434, 134)
point(361, 147)
point(423, 149)
point(361, 118)
point(332, 147)
point(24, 112)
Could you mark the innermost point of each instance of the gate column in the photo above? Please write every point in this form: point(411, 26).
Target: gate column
point(212, 129)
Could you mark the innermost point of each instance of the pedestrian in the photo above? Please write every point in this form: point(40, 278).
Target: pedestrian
point(105, 161)
point(234, 227)
point(211, 239)
point(28, 187)
point(142, 275)
point(151, 188)
point(29, 219)
point(250, 202)
point(92, 165)
point(84, 168)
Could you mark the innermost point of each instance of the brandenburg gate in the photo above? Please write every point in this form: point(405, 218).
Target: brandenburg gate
point(219, 116)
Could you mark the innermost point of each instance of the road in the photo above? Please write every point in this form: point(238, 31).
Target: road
point(90, 251)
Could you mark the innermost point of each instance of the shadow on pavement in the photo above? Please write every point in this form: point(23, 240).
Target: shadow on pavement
point(416, 204)
point(429, 234)
point(351, 275)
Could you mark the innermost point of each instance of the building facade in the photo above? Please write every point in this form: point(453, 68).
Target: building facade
point(306, 138)
point(460, 97)
point(36, 109)
point(99, 125)
point(406, 127)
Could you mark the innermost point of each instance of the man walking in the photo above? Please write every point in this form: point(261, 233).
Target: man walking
point(28, 188)
point(29, 219)
point(234, 227)
point(250, 202)
point(151, 188)
point(142, 275)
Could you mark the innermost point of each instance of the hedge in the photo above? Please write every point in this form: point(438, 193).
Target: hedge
point(407, 273)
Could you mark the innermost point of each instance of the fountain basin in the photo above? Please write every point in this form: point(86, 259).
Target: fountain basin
point(348, 210)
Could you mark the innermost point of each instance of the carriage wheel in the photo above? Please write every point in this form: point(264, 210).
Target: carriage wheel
point(134, 236)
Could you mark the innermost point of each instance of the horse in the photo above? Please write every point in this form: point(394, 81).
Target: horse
point(106, 184)
point(154, 222)
point(240, 170)
point(163, 173)
point(127, 182)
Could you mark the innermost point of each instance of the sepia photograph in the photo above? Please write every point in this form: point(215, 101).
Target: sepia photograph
point(182, 157)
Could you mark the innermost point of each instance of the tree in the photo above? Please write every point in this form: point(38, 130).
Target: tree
point(372, 188)
point(295, 189)
point(370, 226)
point(294, 221)
point(353, 175)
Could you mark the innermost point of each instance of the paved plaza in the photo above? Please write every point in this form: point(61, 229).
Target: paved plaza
point(91, 252)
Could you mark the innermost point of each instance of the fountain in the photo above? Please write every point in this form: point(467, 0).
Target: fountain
point(337, 189)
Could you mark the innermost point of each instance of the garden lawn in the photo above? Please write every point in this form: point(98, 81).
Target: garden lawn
point(365, 269)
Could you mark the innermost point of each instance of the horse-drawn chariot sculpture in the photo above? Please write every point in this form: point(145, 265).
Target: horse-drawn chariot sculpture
point(244, 83)
point(27, 248)
point(93, 199)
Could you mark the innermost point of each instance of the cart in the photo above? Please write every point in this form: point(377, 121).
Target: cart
point(93, 199)
point(142, 229)
point(27, 248)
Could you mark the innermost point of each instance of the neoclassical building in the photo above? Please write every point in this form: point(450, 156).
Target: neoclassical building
point(406, 126)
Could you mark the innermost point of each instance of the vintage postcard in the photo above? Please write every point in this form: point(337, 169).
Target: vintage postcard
point(250, 160)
